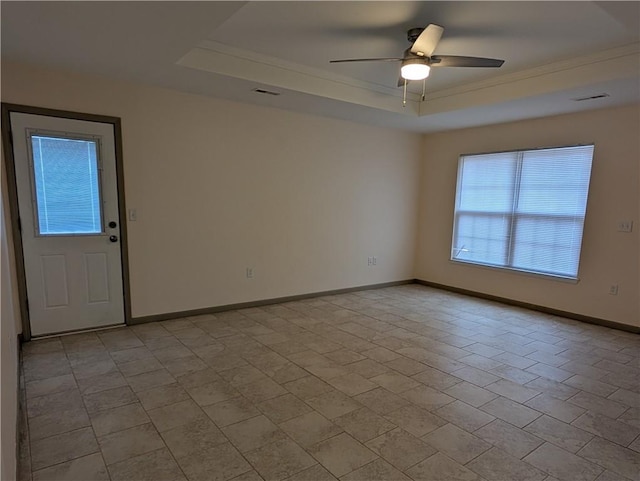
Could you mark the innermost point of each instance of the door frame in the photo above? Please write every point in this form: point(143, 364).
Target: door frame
point(12, 191)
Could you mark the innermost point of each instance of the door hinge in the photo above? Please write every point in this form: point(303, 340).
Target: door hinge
point(19, 225)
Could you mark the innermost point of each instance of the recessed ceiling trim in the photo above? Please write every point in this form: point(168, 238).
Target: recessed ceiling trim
point(629, 52)
point(288, 78)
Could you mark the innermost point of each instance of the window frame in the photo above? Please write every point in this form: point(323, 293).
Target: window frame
point(512, 216)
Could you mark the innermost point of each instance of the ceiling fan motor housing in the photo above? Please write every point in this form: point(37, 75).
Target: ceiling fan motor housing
point(413, 34)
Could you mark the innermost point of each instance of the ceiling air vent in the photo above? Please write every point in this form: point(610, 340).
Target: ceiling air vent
point(266, 92)
point(591, 97)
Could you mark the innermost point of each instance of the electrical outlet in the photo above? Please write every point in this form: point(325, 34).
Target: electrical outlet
point(613, 289)
point(249, 272)
point(625, 226)
point(133, 215)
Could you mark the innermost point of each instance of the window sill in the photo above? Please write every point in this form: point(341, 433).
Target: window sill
point(509, 270)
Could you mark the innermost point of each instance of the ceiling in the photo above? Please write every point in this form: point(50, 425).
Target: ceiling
point(554, 52)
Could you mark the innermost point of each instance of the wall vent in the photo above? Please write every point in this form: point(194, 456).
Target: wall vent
point(591, 97)
point(266, 92)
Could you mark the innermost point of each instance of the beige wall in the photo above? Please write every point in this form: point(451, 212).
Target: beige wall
point(8, 349)
point(221, 186)
point(608, 257)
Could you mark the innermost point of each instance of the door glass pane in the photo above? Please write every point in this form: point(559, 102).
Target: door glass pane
point(66, 185)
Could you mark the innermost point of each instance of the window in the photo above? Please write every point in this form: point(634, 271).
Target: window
point(523, 210)
point(66, 185)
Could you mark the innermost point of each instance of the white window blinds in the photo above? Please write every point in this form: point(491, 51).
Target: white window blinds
point(523, 210)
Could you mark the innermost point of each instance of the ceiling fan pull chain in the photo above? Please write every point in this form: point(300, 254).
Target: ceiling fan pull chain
point(404, 94)
point(424, 82)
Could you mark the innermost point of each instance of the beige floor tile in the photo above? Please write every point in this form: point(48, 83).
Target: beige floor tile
point(315, 473)
point(139, 366)
point(307, 387)
point(53, 403)
point(395, 382)
point(562, 464)
point(50, 385)
point(153, 466)
point(108, 399)
point(162, 396)
point(279, 460)
point(193, 436)
point(465, 416)
point(333, 404)
point(456, 443)
point(476, 376)
point(149, 380)
point(427, 397)
point(231, 411)
point(556, 432)
point(57, 423)
point(352, 384)
point(62, 447)
point(415, 420)
point(410, 342)
point(442, 468)
point(471, 394)
point(400, 448)
point(498, 465)
point(206, 394)
point(128, 355)
point(622, 461)
point(198, 378)
point(406, 366)
point(514, 374)
point(119, 418)
point(89, 467)
point(364, 424)
point(626, 397)
point(282, 408)
point(253, 433)
point(344, 356)
point(590, 385)
point(607, 428)
point(381, 401)
point(129, 443)
point(284, 373)
point(261, 390)
point(511, 411)
point(597, 404)
point(310, 428)
point(367, 368)
point(378, 470)
point(562, 410)
point(631, 416)
point(174, 415)
point(242, 375)
point(342, 454)
point(550, 372)
point(514, 441)
point(553, 388)
point(96, 384)
point(511, 390)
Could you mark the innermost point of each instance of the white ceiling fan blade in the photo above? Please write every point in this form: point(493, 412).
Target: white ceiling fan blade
point(427, 41)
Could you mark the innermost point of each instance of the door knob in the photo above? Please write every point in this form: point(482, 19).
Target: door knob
point(113, 238)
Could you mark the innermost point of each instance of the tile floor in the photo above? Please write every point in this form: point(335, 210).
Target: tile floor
point(401, 383)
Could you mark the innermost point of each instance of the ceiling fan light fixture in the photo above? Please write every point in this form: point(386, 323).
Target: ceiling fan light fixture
point(414, 69)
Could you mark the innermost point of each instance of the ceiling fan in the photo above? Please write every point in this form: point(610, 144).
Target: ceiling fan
point(418, 59)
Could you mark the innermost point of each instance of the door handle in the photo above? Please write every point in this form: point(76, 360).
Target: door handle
point(113, 238)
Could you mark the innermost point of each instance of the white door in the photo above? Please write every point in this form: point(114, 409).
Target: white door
point(68, 205)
